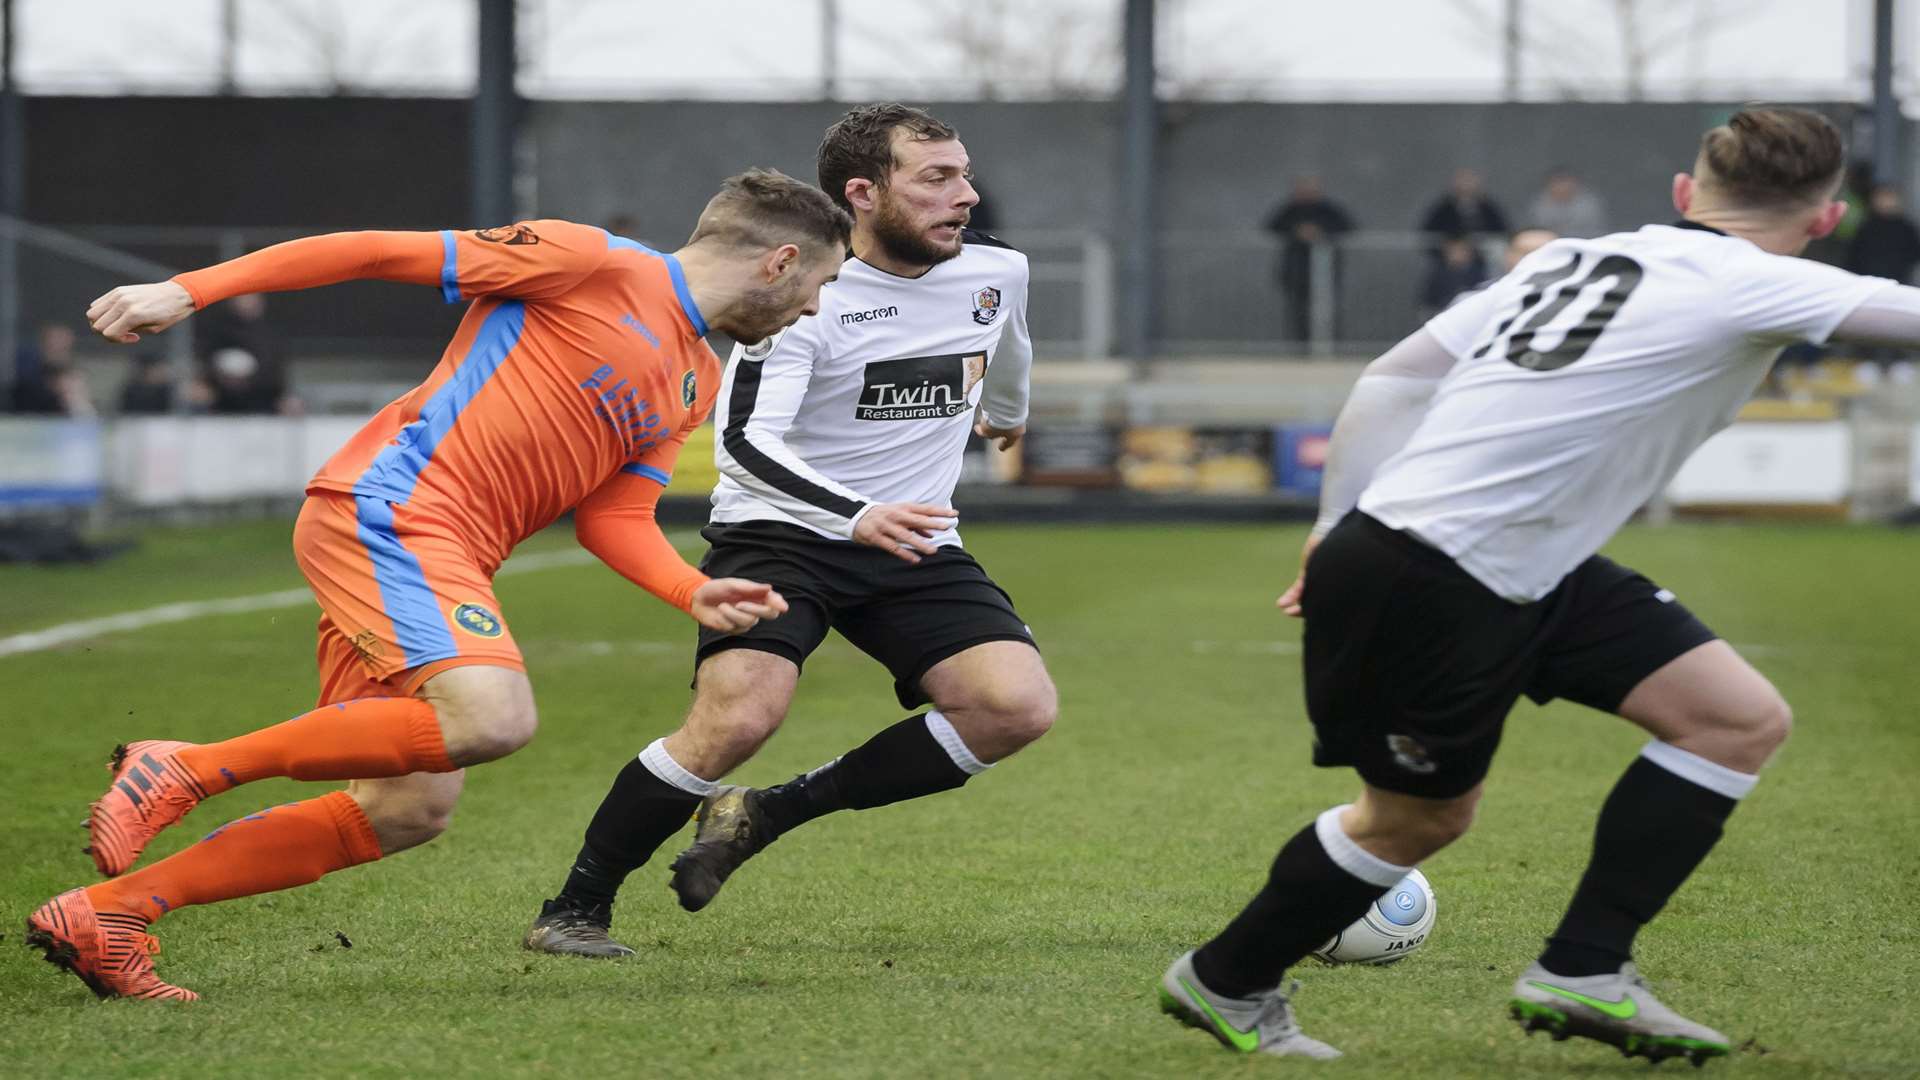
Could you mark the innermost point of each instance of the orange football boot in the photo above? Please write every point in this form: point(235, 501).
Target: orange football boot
point(150, 791)
point(110, 952)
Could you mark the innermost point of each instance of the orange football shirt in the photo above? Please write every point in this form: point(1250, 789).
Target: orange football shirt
point(581, 363)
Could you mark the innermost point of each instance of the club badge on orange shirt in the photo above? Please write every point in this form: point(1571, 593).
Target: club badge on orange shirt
point(511, 235)
point(689, 390)
point(478, 621)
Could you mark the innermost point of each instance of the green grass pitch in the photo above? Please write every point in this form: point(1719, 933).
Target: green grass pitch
point(1013, 929)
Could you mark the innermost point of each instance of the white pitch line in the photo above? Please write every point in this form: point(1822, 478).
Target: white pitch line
point(1248, 648)
point(67, 633)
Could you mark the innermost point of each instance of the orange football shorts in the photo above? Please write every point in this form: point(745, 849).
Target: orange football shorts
point(400, 598)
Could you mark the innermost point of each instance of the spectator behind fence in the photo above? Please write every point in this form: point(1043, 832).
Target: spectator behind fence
point(1523, 243)
point(46, 379)
point(1568, 208)
point(1306, 219)
point(148, 390)
point(241, 385)
point(1886, 244)
point(1464, 210)
point(257, 383)
point(1457, 267)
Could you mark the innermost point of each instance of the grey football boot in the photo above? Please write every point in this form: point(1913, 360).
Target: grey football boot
point(1618, 1009)
point(1258, 1025)
point(567, 930)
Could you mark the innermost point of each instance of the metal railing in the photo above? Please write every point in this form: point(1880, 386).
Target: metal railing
point(1217, 290)
point(1221, 294)
point(1071, 310)
point(1857, 463)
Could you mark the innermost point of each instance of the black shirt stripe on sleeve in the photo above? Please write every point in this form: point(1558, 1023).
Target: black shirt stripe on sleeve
point(746, 388)
point(976, 237)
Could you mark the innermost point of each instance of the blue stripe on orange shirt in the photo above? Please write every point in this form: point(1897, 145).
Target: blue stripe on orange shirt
point(674, 271)
point(449, 268)
point(396, 471)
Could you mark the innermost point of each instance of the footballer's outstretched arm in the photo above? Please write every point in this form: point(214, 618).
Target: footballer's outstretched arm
point(532, 260)
point(1890, 316)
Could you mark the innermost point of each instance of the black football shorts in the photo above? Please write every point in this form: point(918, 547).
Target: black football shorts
point(1412, 664)
point(908, 616)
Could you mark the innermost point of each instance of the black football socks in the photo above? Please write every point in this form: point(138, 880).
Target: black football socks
point(654, 796)
point(921, 755)
point(1321, 881)
point(649, 801)
point(1662, 818)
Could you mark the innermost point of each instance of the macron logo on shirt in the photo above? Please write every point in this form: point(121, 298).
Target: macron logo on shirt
point(851, 318)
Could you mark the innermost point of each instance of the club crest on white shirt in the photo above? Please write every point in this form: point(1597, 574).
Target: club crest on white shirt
point(986, 305)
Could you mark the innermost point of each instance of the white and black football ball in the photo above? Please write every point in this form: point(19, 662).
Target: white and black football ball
point(1393, 927)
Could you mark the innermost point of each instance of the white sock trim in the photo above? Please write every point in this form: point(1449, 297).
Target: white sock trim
point(661, 764)
point(1350, 856)
point(956, 747)
point(1695, 769)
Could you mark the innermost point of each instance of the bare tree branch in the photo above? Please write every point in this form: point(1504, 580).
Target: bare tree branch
point(1558, 49)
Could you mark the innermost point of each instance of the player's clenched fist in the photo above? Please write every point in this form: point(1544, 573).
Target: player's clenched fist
point(733, 605)
point(905, 529)
point(125, 313)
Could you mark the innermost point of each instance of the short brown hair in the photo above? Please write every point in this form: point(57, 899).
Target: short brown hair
point(861, 144)
point(1773, 155)
point(764, 208)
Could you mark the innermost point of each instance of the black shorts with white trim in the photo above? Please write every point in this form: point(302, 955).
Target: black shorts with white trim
point(908, 616)
point(1412, 664)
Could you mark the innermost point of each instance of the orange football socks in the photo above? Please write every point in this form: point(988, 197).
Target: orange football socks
point(278, 848)
point(363, 739)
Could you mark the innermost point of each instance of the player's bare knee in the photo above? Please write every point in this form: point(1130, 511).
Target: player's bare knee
point(1781, 725)
point(406, 819)
point(1451, 821)
point(494, 730)
point(1742, 735)
point(1037, 716)
point(724, 730)
point(485, 712)
point(1767, 726)
point(1020, 715)
point(745, 732)
point(1436, 824)
point(1003, 717)
point(425, 821)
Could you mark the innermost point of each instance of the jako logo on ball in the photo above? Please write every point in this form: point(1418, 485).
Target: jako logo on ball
point(1393, 927)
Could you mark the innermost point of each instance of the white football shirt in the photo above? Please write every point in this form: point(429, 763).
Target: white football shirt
point(871, 400)
point(1582, 381)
